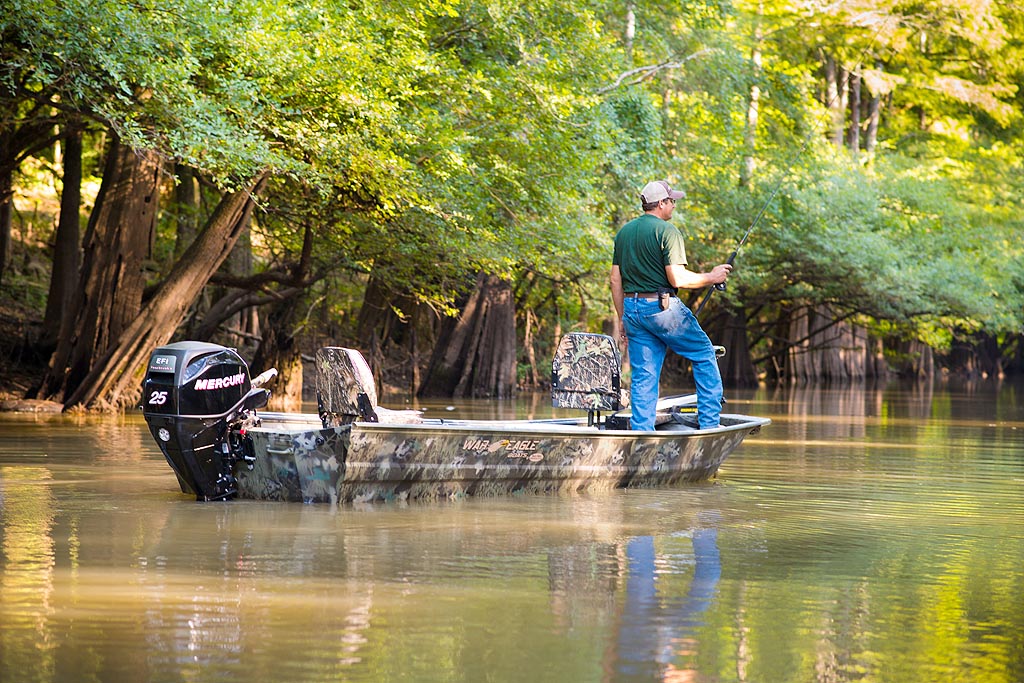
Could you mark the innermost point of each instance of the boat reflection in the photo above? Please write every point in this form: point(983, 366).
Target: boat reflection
point(251, 582)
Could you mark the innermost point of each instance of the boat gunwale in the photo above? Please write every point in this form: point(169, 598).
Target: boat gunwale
point(281, 423)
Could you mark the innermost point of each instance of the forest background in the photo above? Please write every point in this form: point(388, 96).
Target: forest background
point(438, 183)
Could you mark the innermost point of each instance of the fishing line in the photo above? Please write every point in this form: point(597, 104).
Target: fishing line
point(778, 185)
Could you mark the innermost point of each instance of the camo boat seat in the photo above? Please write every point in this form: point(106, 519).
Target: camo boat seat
point(346, 392)
point(585, 374)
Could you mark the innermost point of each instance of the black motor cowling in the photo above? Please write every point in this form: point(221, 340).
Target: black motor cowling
point(193, 395)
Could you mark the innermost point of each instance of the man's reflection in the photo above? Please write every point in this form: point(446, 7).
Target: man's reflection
point(655, 630)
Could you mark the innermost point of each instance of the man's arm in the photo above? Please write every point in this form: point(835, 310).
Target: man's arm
point(680, 276)
point(615, 281)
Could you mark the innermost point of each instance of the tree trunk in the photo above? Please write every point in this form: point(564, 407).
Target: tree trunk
point(373, 325)
point(109, 292)
point(115, 380)
point(6, 217)
point(877, 367)
point(186, 208)
point(383, 334)
point(476, 354)
point(925, 366)
point(531, 356)
point(66, 252)
point(737, 365)
point(19, 139)
point(753, 107)
point(825, 348)
point(854, 136)
point(910, 358)
point(799, 364)
point(279, 349)
point(630, 32)
point(8, 165)
point(874, 112)
point(853, 350)
point(233, 318)
point(241, 328)
point(834, 98)
point(24, 131)
point(1015, 364)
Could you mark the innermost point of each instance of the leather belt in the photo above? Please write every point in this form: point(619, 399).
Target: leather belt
point(649, 296)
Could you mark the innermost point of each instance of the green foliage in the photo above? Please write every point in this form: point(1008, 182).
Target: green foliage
point(154, 74)
point(423, 142)
point(498, 168)
point(923, 234)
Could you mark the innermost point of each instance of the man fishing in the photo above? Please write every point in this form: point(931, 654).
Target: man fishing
point(648, 267)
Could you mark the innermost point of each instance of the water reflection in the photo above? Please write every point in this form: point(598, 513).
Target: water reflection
point(866, 535)
point(27, 577)
point(351, 578)
point(657, 632)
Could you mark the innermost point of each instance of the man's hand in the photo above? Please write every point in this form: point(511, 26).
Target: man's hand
point(720, 273)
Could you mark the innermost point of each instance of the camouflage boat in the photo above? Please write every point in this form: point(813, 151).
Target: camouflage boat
point(203, 410)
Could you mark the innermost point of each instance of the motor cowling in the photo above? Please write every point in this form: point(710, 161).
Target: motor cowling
point(193, 395)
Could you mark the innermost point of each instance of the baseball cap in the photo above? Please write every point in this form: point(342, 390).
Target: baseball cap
point(657, 190)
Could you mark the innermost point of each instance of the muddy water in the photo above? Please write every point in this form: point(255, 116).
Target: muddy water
point(866, 535)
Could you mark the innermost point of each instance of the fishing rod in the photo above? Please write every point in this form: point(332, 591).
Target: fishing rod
point(720, 286)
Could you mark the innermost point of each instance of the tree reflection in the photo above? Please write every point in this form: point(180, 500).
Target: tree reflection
point(26, 572)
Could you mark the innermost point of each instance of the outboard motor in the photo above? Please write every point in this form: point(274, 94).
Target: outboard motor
point(194, 396)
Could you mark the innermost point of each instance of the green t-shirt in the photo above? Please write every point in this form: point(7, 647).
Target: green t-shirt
point(643, 247)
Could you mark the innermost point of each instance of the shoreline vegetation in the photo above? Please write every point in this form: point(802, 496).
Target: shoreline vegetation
point(439, 185)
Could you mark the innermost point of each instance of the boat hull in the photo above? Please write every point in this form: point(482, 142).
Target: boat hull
point(296, 459)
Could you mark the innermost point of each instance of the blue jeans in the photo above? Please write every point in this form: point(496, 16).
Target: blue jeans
point(651, 332)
